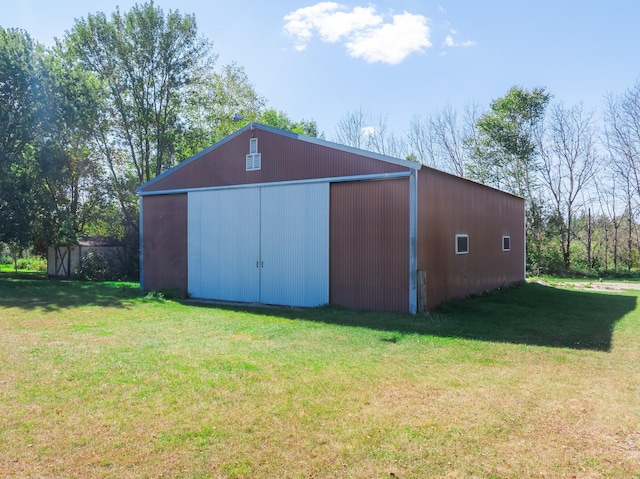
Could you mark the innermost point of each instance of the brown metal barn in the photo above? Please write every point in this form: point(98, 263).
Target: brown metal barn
point(273, 217)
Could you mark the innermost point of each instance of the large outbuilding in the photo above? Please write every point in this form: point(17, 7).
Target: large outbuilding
point(269, 216)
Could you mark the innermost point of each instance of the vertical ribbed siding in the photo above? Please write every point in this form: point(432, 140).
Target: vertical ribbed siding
point(224, 244)
point(295, 245)
point(164, 242)
point(268, 245)
point(448, 205)
point(369, 245)
point(282, 159)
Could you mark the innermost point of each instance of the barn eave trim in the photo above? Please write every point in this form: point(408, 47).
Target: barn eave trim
point(338, 179)
point(411, 165)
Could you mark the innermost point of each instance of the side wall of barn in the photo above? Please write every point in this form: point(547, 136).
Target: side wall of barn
point(448, 207)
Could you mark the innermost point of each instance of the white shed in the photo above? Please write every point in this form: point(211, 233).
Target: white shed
point(64, 259)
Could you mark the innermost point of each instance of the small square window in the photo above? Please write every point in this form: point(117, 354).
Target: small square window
point(506, 243)
point(462, 244)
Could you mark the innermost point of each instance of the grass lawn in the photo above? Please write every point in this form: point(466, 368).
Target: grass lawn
point(8, 270)
point(99, 381)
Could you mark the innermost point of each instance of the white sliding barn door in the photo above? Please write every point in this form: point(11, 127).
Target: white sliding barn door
point(263, 244)
point(295, 245)
point(224, 244)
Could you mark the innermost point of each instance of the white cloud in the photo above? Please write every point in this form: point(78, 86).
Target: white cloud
point(301, 23)
point(363, 30)
point(345, 23)
point(391, 42)
point(450, 42)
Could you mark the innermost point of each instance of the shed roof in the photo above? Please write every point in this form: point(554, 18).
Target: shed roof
point(98, 241)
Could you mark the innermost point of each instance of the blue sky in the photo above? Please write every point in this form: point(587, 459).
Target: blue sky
point(319, 60)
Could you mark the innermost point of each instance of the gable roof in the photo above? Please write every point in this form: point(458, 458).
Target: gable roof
point(307, 139)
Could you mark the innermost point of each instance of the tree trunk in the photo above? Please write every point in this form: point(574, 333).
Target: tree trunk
point(589, 233)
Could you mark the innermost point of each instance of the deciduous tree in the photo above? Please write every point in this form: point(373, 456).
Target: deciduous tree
point(20, 100)
point(504, 150)
point(567, 146)
point(148, 63)
point(280, 119)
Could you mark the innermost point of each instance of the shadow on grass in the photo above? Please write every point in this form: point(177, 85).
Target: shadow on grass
point(531, 314)
point(33, 292)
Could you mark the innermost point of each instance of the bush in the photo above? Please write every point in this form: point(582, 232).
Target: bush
point(171, 294)
point(95, 267)
point(33, 263)
point(5, 257)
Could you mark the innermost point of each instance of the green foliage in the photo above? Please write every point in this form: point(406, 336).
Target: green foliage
point(5, 257)
point(279, 119)
point(20, 102)
point(96, 267)
point(147, 63)
point(49, 180)
point(33, 263)
point(168, 294)
point(504, 151)
point(73, 189)
point(504, 155)
point(211, 107)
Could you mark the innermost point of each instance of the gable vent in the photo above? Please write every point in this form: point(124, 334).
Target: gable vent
point(254, 159)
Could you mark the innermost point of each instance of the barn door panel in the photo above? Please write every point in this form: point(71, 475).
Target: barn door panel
point(295, 245)
point(224, 244)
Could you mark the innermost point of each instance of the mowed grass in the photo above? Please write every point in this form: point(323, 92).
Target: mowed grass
point(100, 381)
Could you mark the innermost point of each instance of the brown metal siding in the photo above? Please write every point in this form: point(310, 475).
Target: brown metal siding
point(369, 245)
point(283, 159)
point(448, 205)
point(164, 242)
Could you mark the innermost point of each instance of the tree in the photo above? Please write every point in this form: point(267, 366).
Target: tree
point(608, 193)
point(569, 164)
point(71, 174)
point(504, 154)
point(351, 128)
point(148, 65)
point(20, 95)
point(441, 140)
point(279, 119)
point(504, 151)
point(622, 132)
point(360, 129)
point(421, 142)
point(211, 108)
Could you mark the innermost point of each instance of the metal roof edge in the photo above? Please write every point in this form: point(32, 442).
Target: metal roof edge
point(475, 182)
point(348, 149)
point(195, 157)
point(305, 181)
point(338, 146)
point(278, 131)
